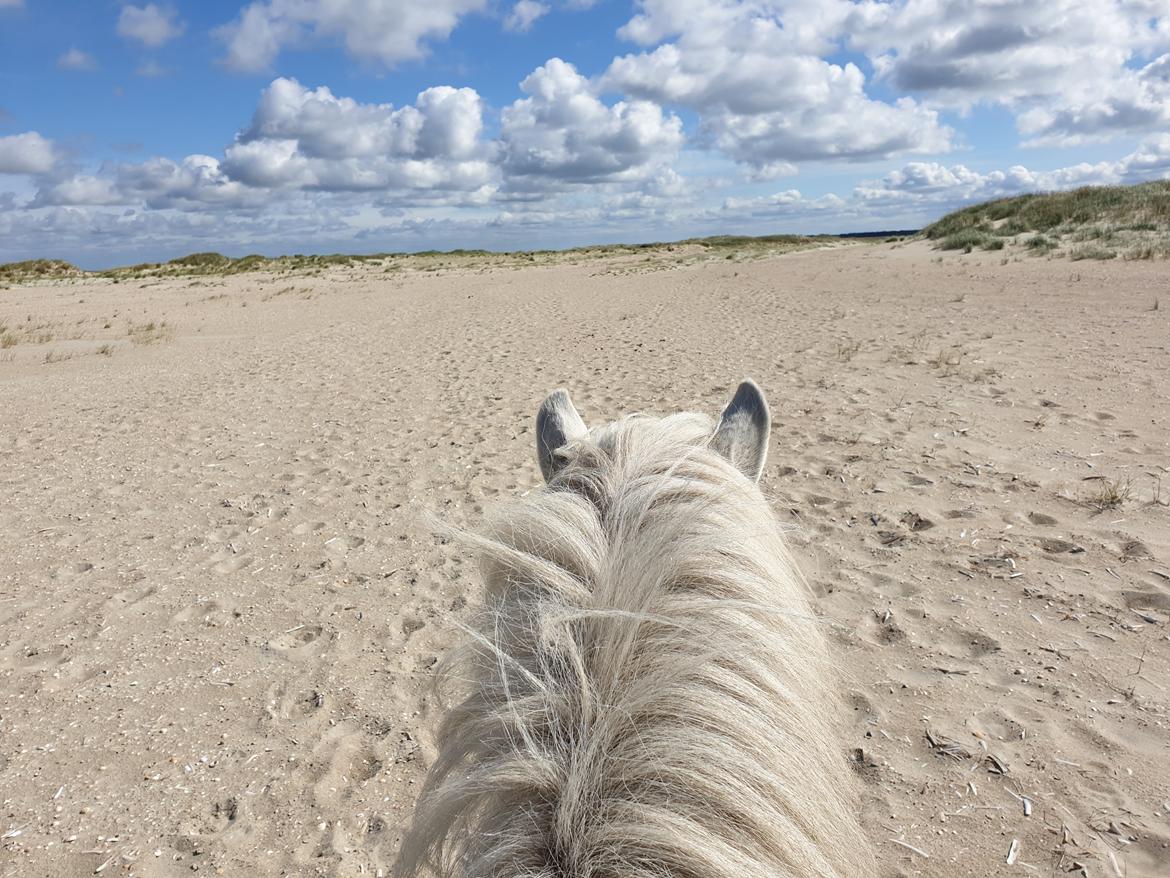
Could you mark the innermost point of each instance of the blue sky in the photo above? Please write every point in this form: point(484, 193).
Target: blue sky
point(142, 131)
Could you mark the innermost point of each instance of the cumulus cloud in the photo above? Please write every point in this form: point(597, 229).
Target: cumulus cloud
point(151, 24)
point(1071, 70)
point(195, 182)
point(386, 31)
point(75, 59)
point(80, 189)
point(562, 132)
point(309, 138)
point(524, 14)
point(919, 192)
point(27, 153)
point(930, 183)
point(764, 95)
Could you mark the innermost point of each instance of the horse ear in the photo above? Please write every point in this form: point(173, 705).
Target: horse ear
point(742, 434)
point(557, 424)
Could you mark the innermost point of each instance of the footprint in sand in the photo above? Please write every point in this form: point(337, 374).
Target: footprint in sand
point(212, 613)
point(300, 704)
point(412, 624)
point(1146, 600)
point(1054, 546)
point(224, 817)
point(227, 562)
point(1039, 518)
point(297, 641)
point(916, 522)
point(128, 598)
point(952, 514)
point(72, 569)
point(344, 544)
point(975, 644)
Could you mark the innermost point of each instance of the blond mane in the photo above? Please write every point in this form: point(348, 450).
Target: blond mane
point(646, 691)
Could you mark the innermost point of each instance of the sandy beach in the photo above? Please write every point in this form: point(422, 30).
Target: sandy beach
point(220, 603)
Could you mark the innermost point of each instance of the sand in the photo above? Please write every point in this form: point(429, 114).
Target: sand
point(220, 606)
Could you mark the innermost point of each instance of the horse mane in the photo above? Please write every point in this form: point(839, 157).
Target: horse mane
point(645, 694)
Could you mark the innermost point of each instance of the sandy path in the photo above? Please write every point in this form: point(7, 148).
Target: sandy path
point(219, 607)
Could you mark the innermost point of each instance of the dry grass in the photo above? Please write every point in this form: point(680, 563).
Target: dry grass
point(1091, 251)
point(37, 269)
point(150, 333)
point(948, 360)
point(847, 350)
point(1109, 493)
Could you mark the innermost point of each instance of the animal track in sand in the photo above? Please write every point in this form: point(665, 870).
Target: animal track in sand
point(976, 644)
point(73, 569)
point(343, 544)
point(297, 640)
point(412, 624)
point(1147, 600)
point(1039, 518)
point(227, 562)
point(1055, 546)
point(128, 598)
point(953, 514)
point(208, 612)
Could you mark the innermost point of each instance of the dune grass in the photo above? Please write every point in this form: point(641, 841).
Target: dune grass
point(1092, 222)
point(217, 264)
point(37, 269)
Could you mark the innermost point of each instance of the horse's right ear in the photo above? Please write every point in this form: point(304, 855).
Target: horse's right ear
point(557, 424)
point(742, 434)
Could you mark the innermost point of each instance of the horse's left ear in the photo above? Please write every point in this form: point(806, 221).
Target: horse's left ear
point(742, 434)
point(557, 424)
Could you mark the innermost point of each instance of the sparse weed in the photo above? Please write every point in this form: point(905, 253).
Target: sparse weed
point(1091, 251)
point(1040, 244)
point(149, 333)
point(965, 240)
point(1110, 493)
point(948, 361)
point(847, 350)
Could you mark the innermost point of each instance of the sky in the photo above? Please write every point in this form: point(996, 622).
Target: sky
point(134, 132)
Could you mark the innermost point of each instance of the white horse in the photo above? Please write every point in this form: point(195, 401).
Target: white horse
point(647, 693)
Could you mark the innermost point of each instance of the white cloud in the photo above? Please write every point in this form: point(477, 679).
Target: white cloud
point(764, 96)
point(386, 31)
point(27, 153)
point(443, 122)
point(524, 14)
point(195, 182)
point(929, 183)
point(81, 189)
point(562, 133)
point(151, 24)
point(11, 4)
point(75, 59)
point(193, 207)
point(1070, 70)
point(311, 139)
